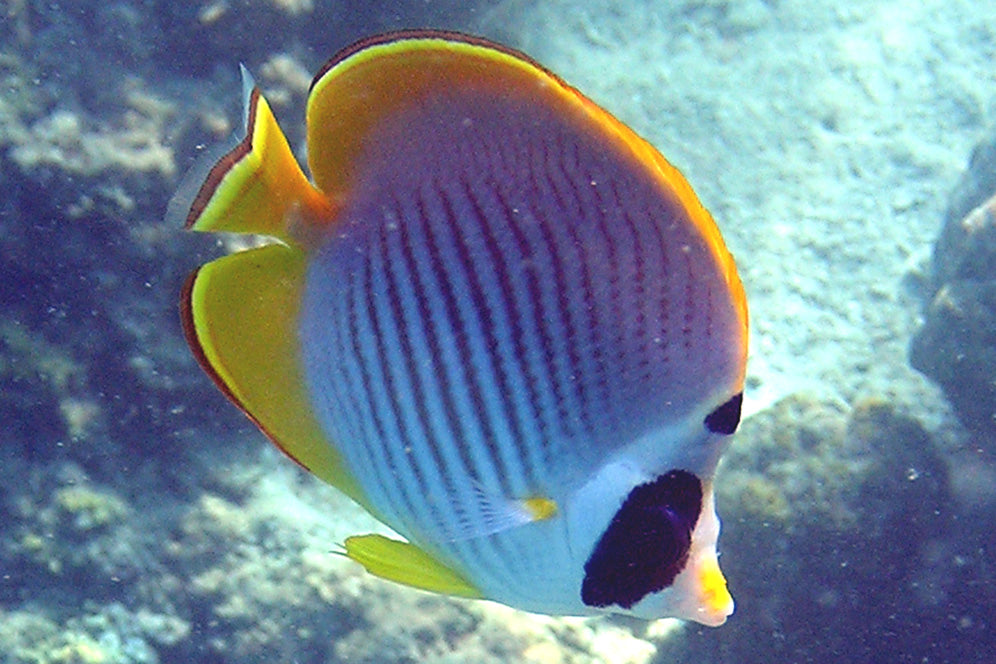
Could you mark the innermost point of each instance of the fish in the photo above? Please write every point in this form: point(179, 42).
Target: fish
point(491, 315)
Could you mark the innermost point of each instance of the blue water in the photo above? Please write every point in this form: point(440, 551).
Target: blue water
point(144, 519)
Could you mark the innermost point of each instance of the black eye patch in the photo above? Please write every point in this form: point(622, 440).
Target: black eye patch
point(725, 419)
point(646, 544)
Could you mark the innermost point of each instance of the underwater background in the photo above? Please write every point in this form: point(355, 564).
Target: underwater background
point(847, 151)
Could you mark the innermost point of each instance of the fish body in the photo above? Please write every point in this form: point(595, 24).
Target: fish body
point(497, 319)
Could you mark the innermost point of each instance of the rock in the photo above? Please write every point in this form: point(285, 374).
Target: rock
point(976, 185)
point(806, 466)
point(830, 516)
point(956, 348)
point(956, 345)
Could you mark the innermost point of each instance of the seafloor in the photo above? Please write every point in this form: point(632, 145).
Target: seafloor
point(144, 520)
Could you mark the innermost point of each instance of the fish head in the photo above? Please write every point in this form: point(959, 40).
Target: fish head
point(646, 527)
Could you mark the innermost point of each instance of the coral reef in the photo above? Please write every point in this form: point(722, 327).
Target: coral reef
point(250, 566)
point(281, 592)
point(108, 634)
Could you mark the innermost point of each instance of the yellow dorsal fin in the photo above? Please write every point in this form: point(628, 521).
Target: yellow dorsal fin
point(406, 563)
point(240, 316)
point(258, 186)
point(376, 78)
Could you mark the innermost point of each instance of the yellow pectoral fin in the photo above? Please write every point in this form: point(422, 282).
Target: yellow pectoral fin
point(405, 563)
point(240, 316)
point(258, 187)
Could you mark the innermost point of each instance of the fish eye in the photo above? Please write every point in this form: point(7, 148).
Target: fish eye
point(647, 542)
point(725, 418)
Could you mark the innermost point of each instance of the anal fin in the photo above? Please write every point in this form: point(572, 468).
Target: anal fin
point(240, 317)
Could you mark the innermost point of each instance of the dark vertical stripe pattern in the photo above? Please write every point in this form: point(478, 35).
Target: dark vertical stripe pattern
point(507, 301)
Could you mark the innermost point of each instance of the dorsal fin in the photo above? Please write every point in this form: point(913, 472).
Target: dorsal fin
point(377, 77)
point(258, 187)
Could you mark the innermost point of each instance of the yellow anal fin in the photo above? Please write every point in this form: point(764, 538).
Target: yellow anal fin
point(407, 564)
point(240, 315)
point(258, 187)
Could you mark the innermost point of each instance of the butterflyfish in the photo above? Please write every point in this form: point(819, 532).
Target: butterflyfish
point(493, 316)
